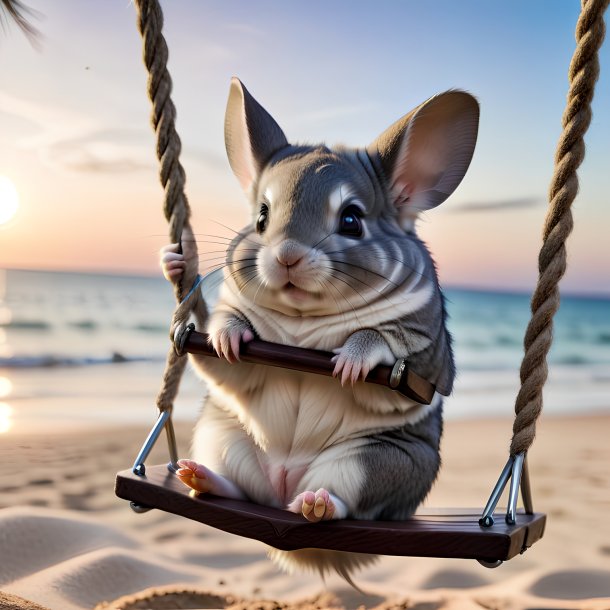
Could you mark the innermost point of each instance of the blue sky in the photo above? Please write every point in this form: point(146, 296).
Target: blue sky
point(75, 137)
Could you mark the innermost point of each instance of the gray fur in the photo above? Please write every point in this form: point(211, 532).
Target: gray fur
point(401, 466)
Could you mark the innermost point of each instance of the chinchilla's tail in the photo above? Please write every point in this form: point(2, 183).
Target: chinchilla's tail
point(322, 561)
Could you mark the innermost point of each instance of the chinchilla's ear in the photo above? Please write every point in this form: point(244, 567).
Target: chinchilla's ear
point(426, 153)
point(251, 135)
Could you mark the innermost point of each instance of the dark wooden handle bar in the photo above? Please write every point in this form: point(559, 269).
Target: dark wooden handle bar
point(411, 384)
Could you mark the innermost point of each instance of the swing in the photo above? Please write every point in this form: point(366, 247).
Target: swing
point(452, 533)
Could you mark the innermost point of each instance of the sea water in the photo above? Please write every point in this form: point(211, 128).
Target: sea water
point(72, 340)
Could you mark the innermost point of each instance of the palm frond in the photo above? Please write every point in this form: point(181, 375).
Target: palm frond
point(21, 14)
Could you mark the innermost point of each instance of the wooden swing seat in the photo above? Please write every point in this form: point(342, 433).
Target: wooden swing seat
point(450, 533)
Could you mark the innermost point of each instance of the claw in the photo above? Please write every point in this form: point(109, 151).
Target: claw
point(235, 340)
point(226, 342)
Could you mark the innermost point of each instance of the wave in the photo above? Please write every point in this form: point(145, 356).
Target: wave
point(54, 360)
point(27, 325)
point(86, 325)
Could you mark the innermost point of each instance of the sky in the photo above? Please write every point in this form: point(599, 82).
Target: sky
point(75, 135)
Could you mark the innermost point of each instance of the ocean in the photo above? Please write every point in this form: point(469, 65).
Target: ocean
point(83, 349)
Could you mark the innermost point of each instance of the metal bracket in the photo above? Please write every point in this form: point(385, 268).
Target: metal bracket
point(163, 421)
point(517, 472)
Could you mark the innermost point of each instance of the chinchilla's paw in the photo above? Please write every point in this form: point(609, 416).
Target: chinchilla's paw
point(195, 476)
point(172, 263)
point(227, 337)
point(174, 257)
point(362, 351)
point(318, 506)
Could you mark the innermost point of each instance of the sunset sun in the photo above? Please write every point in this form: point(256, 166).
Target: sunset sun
point(9, 200)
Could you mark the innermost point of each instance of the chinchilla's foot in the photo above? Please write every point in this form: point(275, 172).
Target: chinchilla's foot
point(196, 476)
point(202, 480)
point(362, 351)
point(318, 506)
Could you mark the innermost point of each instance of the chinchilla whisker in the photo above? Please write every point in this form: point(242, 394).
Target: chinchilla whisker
point(330, 283)
point(205, 256)
point(209, 259)
point(241, 260)
point(213, 269)
point(319, 242)
point(425, 276)
point(322, 286)
point(223, 262)
point(386, 257)
point(353, 277)
point(350, 286)
point(383, 277)
point(214, 236)
point(209, 241)
point(225, 248)
point(379, 292)
point(243, 268)
point(226, 264)
point(253, 276)
point(224, 251)
point(220, 224)
point(260, 284)
point(242, 233)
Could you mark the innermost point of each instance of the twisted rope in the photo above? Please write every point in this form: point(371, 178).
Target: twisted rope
point(172, 177)
point(583, 74)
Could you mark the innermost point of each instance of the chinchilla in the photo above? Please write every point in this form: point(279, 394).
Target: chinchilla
point(330, 260)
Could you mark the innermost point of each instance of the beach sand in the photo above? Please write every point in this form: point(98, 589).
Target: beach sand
point(67, 543)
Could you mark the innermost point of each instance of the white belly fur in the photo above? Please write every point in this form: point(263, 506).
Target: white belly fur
point(276, 432)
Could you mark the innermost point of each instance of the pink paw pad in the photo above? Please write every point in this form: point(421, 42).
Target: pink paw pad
point(194, 475)
point(314, 507)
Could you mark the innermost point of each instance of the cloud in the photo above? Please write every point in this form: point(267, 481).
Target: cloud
point(90, 163)
point(51, 122)
point(73, 141)
point(104, 150)
point(494, 206)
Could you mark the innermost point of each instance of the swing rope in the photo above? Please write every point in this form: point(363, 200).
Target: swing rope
point(172, 176)
point(583, 74)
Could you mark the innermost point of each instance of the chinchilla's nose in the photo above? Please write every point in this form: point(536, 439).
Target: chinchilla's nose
point(290, 252)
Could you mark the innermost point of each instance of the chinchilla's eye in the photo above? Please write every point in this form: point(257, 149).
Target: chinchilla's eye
point(350, 223)
point(263, 217)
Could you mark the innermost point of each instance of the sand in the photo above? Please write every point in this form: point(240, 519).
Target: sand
point(67, 543)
